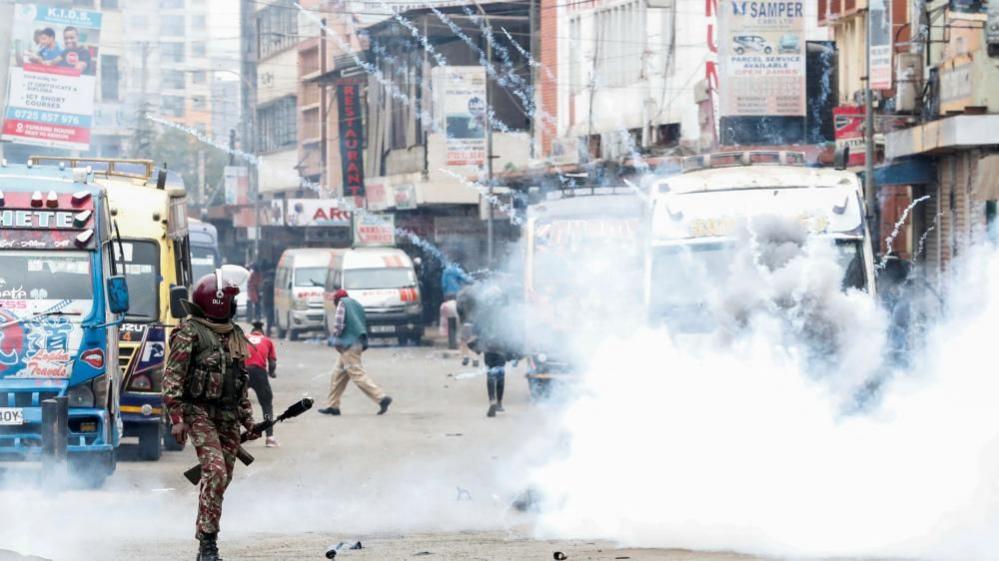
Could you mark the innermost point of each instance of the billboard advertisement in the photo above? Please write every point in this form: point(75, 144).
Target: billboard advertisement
point(52, 80)
point(462, 103)
point(236, 180)
point(880, 39)
point(849, 121)
point(316, 212)
point(762, 58)
point(374, 230)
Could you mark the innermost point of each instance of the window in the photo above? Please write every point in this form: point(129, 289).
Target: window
point(142, 273)
point(172, 25)
point(172, 52)
point(277, 29)
point(198, 49)
point(620, 43)
point(109, 4)
point(137, 23)
point(277, 125)
point(173, 80)
point(198, 77)
point(198, 103)
point(109, 78)
point(171, 4)
point(173, 105)
point(199, 22)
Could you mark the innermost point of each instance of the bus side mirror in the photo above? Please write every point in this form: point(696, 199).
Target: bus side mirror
point(178, 294)
point(841, 158)
point(117, 294)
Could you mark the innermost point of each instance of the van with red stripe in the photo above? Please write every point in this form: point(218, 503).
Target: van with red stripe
point(384, 281)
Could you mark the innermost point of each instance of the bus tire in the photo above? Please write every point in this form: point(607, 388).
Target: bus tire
point(150, 442)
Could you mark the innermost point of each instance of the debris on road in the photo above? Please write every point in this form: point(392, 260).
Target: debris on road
point(559, 556)
point(463, 495)
point(453, 434)
point(422, 553)
point(332, 550)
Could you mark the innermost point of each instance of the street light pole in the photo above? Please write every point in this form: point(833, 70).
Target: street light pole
point(490, 228)
point(869, 194)
point(248, 76)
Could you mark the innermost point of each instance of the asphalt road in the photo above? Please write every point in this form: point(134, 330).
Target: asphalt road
point(434, 478)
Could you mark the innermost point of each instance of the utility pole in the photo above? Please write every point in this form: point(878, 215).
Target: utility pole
point(199, 197)
point(490, 231)
point(232, 147)
point(324, 182)
point(248, 75)
point(870, 197)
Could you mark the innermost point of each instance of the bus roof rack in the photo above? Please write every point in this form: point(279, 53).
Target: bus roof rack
point(135, 169)
point(745, 158)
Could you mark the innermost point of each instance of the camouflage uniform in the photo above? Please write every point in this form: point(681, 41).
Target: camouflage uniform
point(193, 381)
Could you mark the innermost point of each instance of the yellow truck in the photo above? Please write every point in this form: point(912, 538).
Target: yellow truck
point(149, 206)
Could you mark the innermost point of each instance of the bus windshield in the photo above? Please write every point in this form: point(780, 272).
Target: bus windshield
point(142, 266)
point(310, 277)
point(47, 275)
point(387, 277)
point(203, 261)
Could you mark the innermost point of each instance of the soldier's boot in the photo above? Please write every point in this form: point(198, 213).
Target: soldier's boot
point(209, 549)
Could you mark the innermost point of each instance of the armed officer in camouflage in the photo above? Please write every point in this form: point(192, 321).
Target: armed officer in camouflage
point(205, 391)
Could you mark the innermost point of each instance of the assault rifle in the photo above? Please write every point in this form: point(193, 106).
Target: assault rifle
point(194, 474)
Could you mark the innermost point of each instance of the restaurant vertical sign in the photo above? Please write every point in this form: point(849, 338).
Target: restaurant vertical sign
point(350, 111)
point(53, 74)
point(879, 38)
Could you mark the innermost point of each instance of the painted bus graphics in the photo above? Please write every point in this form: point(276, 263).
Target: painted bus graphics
point(58, 334)
point(151, 214)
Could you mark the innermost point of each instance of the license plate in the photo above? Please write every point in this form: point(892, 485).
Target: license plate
point(383, 329)
point(11, 416)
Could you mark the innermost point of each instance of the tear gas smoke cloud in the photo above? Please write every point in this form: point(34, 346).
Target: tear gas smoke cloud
point(744, 438)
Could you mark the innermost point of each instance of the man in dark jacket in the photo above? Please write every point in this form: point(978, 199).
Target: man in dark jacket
point(350, 338)
point(204, 390)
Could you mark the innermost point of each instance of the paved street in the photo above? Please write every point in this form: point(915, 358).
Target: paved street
point(433, 475)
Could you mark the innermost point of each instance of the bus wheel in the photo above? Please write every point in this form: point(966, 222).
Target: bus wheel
point(150, 438)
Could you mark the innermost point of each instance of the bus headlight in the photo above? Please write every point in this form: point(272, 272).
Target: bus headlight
point(140, 383)
point(299, 305)
point(81, 396)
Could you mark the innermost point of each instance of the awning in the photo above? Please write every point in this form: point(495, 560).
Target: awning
point(907, 171)
point(943, 135)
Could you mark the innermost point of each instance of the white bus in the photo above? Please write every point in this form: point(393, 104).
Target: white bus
point(695, 218)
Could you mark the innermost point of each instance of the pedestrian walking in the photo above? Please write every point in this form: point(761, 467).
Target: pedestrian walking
point(453, 278)
point(262, 365)
point(253, 287)
point(205, 392)
point(267, 296)
point(350, 338)
point(485, 308)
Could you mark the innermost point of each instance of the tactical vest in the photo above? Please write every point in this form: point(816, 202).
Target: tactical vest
point(213, 376)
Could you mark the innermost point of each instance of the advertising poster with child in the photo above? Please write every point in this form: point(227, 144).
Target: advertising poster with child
point(53, 73)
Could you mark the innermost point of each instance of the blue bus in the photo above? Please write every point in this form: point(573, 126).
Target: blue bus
point(61, 296)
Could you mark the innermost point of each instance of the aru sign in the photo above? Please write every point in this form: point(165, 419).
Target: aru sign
point(348, 94)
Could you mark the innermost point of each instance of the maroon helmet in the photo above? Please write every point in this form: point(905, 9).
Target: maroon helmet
point(216, 293)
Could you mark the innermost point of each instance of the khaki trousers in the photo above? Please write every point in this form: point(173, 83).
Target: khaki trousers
point(348, 367)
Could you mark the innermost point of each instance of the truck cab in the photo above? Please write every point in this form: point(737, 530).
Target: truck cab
point(60, 296)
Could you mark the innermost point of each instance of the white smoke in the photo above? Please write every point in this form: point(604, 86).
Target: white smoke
point(750, 438)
